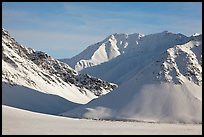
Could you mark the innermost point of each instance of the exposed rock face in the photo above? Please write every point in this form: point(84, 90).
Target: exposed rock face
point(182, 61)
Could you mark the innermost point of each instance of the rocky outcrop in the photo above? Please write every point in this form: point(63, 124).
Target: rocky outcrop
point(52, 70)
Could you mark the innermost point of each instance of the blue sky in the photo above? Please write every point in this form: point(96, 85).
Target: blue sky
point(64, 29)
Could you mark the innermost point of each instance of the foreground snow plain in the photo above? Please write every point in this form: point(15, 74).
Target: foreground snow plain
point(18, 121)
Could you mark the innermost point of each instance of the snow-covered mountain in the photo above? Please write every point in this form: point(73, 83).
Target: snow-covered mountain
point(134, 57)
point(159, 77)
point(159, 81)
point(111, 47)
point(37, 70)
point(119, 44)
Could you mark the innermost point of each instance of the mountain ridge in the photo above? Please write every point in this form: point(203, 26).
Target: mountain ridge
point(113, 46)
point(39, 71)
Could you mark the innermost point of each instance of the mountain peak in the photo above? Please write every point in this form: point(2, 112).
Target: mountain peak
point(121, 43)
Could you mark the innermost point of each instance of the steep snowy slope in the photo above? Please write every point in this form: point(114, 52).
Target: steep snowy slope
point(123, 67)
point(167, 88)
point(37, 70)
point(111, 47)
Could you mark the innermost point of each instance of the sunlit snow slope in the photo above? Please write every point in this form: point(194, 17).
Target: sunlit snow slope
point(159, 83)
point(111, 47)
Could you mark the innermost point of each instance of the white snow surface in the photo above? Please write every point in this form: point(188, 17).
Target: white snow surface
point(21, 122)
point(162, 83)
point(34, 100)
point(145, 100)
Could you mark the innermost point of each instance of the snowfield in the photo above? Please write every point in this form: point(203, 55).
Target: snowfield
point(17, 121)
